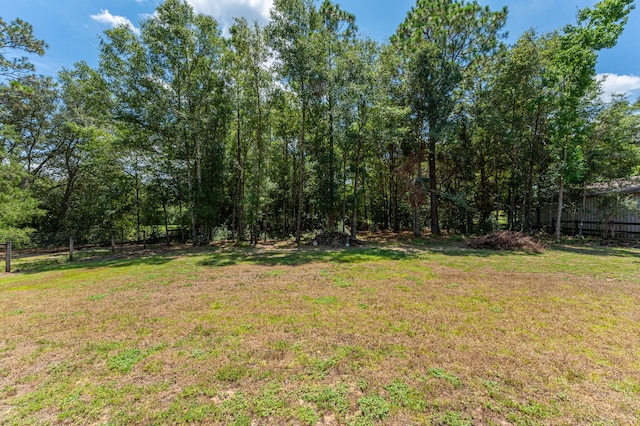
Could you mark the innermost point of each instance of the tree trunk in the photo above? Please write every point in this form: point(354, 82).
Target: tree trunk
point(137, 207)
point(237, 225)
point(395, 196)
point(64, 205)
point(584, 208)
point(561, 194)
point(417, 223)
point(332, 203)
point(344, 191)
point(259, 168)
point(529, 194)
point(356, 182)
point(192, 212)
point(433, 187)
point(513, 191)
point(301, 171)
point(166, 218)
point(182, 232)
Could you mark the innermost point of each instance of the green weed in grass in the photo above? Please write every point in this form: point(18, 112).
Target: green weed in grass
point(8, 391)
point(400, 394)
point(325, 300)
point(537, 410)
point(627, 386)
point(373, 407)
point(188, 410)
point(97, 296)
point(125, 360)
point(231, 373)
point(274, 273)
point(307, 416)
point(235, 410)
point(341, 282)
point(441, 373)
point(103, 347)
point(328, 398)
point(270, 401)
point(454, 418)
point(319, 368)
point(199, 354)
point(154, 366)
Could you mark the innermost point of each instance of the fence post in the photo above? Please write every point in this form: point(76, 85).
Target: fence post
point(70, 249)
point(7, 264)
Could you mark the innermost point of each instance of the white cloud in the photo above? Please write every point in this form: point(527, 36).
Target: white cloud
point(105, 17)
point(225, 10)
point(628, 85)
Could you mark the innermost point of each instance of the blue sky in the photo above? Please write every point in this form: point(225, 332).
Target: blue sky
point(72, 27)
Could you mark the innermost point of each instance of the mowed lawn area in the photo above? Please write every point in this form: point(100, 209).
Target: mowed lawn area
point(402, 334)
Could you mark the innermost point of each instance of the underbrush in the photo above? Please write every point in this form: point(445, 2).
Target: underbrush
point(508, 240)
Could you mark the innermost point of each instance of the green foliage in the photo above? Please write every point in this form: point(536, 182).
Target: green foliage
point(167, 93)
point(248, 145)
point(611, 149)
point(17, 35)
point(18, 206)
point(433, 77)
point(443, 43)
point(306, 124)
point(573, 56)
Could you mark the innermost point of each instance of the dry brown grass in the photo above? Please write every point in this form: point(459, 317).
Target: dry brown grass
point(273, 336)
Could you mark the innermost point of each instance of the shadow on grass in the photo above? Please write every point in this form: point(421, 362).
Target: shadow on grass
point(598, 250)
point(304, 256)
point(214, 256)
point(457, 247)
point(118, 260)
point(218, 256)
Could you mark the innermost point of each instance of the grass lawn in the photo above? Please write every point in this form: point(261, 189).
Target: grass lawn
point(397, 334)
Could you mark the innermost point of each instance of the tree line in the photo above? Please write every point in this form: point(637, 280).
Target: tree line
point(306, 124)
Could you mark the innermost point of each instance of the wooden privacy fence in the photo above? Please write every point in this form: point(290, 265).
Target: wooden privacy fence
point(7, 256)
